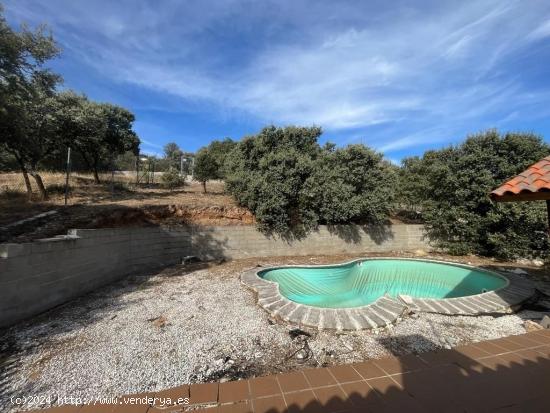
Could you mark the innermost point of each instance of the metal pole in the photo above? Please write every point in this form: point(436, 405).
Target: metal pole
point(112, 177)
point(181, 165)
point(137, 170)
point(67, 174)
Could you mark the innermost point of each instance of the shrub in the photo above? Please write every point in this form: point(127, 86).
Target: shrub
point(454, 193)
point(120, 186)
point(292, 184)
point(58, 189)
point(172, 179)
point(9, 193)
point(352, 184)
point(206, 167)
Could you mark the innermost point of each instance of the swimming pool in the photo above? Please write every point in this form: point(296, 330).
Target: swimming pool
point(363, 282)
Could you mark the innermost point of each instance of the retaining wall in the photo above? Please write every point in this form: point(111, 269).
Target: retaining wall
point(37, 276)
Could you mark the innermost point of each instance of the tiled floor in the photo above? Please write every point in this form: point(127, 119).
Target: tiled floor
point(509, 375)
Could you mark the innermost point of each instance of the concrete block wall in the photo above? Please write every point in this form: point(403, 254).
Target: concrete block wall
point(37, 276)
point(246, 241)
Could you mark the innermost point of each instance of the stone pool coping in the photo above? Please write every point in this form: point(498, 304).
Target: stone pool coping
point(386, 310)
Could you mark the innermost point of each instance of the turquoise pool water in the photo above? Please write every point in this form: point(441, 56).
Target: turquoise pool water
point(361, 283)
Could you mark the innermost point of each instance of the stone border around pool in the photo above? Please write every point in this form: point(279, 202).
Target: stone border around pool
point(386, 310)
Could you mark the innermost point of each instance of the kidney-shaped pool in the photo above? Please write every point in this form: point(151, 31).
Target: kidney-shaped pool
point(360, 283)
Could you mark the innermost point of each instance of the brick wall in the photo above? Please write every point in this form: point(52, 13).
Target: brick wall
point(37, 276)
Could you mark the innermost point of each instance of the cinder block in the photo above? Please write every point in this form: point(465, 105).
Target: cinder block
point(14, 250)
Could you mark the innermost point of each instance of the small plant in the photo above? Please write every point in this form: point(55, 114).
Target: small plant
point(172, 179)
point(206, 167)
point(58, 189)
point(120, 187)
point(8, 193)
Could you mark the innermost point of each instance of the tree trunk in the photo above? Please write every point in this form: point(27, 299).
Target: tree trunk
point(204, 186)
point(96, 175)
point(89, 164)
point(27, 183)
point(25, 176)
point(40, 185)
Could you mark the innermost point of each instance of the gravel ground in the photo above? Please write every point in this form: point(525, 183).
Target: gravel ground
point(196, 324)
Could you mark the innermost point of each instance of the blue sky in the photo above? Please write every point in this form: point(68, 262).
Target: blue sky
point(399, 76)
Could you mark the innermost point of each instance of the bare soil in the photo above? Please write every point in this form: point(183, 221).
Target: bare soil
point(98, 206)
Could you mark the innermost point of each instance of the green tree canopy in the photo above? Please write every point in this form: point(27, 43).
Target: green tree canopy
point(218, 150)
point(26, 88)
point(291, 183)
point(172, 154)
point(350, 184)
point(98, 131)
point(206, 167)
point(453, 186)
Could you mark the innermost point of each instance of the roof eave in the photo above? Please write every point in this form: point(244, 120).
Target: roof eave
point(522, 196)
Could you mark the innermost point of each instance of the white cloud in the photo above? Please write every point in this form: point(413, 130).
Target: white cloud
point(333, 65)
point(542, 31)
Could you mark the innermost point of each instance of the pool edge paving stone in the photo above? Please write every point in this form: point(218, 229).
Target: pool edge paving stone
point(518, 378)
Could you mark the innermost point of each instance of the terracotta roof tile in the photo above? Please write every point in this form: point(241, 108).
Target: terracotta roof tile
point(532, 180)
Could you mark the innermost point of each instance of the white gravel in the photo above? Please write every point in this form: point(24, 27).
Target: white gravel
point(153, 332)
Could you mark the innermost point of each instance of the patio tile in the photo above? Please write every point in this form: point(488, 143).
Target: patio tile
point(509, 345)
point(476, 367)
point(383, 385)
point(57, 409)
point(233, 391)
point(541, 340)
point(441, 357)
point(403, 364)
point(292, 381)
point(242, 407)
point(203, 393)
point(319, 377)
point(302, 402)
point(545, 351)
point(134, 403)
point(368, 370)
point(344, 374)
point(264, 386)
point(490, 347)
point(543, 333)
point(523, 340)
point(472, 351)
point(172, 396)
point(394, 397)
point(272, 404)
point(360, 393)
point(97, 407)
point(332, 399)
point(176, 409)
point(434, 389)
point(529, 355)
point(492, 363)
point(132, 408)
point(142, 399)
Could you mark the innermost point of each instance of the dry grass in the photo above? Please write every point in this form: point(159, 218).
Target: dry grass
point(124, 191)
point(89, 199)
